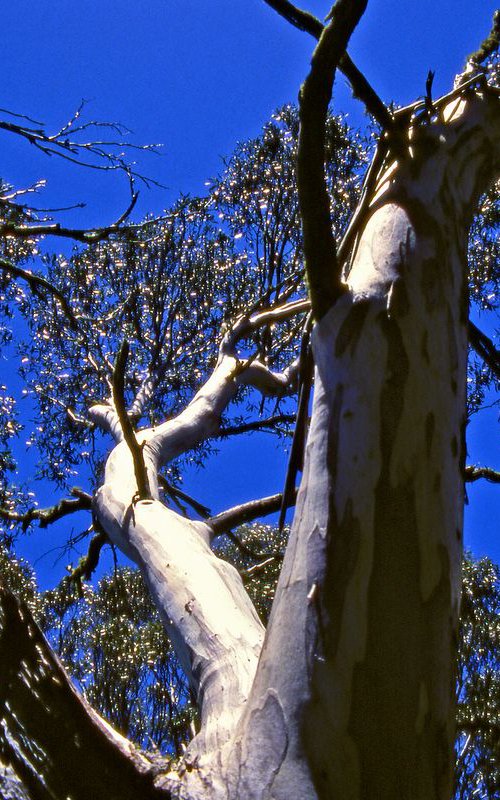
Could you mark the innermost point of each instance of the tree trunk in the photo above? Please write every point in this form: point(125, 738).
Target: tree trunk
point(355, 685)
point(351, 693)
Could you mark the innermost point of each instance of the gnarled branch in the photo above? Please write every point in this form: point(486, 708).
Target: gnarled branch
point(473, 474)
point(46, 516)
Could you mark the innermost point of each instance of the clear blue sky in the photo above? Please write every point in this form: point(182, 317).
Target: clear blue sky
point(198, 76)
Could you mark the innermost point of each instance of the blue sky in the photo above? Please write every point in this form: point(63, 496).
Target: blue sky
point(198, 76)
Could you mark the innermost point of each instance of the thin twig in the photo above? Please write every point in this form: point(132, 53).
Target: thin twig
point(36, 283)
point(87, 236)
point(175, 492)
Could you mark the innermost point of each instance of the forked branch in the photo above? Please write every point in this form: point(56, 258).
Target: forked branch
point(361, 88)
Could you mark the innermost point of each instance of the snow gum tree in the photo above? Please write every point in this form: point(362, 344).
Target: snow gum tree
point(350, 690)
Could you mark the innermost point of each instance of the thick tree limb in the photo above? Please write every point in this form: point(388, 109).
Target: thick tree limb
point(141, 477)
point(246, 512)
point(46, 516)
point(248, 324)
point(36, 283)
point(362, 89)
point(323, 273)
point(475, 473)
point(485, 348)
point(53, 739)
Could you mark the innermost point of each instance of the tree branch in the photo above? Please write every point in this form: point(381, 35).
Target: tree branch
point(88, 564)
point(485, 348)
point(127, 428)
point(46, 516)
point(246, 512)
point(87, 236)
point(167, 487)
point(361, 88)
point(489, 45)
point(323, 273)
point(36, 283)
point(57, 744)
point(475, 473)
point(256, 425)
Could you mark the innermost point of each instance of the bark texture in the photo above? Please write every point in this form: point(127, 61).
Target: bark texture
point(356, 676)
point(350, 693)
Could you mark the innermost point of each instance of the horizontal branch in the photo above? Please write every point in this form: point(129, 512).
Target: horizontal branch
point(476, 473)
point(246, 512)
point(257, 425)
point(46, 516)
point(36, 282)
point(87, 236)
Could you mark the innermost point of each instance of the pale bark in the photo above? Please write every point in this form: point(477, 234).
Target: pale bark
point(213, 624)
point(350, 694)
point(356, 676)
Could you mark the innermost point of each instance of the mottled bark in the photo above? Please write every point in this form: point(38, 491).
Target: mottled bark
point(350, 693)
point(356, 675)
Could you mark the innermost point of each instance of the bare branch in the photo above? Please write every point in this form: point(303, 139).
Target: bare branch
point(87, 236)
point(362, 89)
point(323, 272)
point(246, 512)
point(127, 428)
point(485, 348)
point(88, 564)
point(257, 425)
point(46, 516)
point(95, 153)
point(175, 493)
point(36, 282)
point(476, 473)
